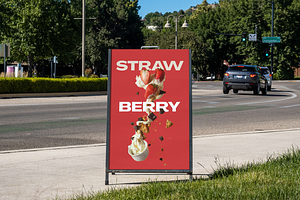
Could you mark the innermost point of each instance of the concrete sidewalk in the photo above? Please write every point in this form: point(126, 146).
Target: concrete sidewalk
point(66, 171)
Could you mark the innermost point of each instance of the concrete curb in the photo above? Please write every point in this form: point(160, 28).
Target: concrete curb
point(246, 133)
point(57, 94)
point(52, 148)
point(104, 144)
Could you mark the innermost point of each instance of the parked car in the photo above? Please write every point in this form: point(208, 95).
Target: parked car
point(246, 78)
point(266, 73)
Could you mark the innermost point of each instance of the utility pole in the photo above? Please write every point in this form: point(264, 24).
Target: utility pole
point(83, 37)
point(4, 60)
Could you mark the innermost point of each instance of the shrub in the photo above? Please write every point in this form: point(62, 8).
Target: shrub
point(69, 76)
point(284, 74)
point(48, 85)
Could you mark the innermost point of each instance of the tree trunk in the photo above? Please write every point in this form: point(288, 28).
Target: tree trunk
point(29, 66)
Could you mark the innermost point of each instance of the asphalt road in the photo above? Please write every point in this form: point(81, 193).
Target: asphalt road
point(27, 123)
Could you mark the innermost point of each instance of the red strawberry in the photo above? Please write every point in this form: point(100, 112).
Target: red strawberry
point(159, 74)
point(145, 75)
point(150, 91)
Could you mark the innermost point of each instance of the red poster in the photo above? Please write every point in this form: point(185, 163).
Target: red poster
point(149, 110)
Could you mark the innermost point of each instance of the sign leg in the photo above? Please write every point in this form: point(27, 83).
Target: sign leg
point(191, 177)
point(107, 178)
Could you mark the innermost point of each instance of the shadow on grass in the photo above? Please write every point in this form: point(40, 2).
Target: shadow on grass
point(229, 169)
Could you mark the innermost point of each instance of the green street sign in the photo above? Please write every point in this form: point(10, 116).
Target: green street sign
point(271, 39)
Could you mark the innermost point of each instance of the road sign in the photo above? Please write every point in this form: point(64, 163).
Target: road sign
point(271, 39)
point(253, 37)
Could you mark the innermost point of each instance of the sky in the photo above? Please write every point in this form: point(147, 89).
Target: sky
point(163, 6)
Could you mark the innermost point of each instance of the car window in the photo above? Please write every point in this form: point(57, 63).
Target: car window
point(265, 71)
point(241, 69)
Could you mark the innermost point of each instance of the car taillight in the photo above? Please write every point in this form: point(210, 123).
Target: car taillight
point(270, 75)
point(226, 74)
point(226, 83)
point(252, 75)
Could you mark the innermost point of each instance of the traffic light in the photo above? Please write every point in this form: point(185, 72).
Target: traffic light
point(244, 36)
point(267, 51)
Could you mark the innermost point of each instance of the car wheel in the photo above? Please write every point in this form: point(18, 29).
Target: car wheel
point(235, 91)
point(269, 88)
point(256, 89)
point(264, 91)
point(225, 90)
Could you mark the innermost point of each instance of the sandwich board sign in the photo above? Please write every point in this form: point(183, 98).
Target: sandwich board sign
point(149, 121)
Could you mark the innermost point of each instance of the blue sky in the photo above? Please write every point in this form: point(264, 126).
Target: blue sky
point(163, 6)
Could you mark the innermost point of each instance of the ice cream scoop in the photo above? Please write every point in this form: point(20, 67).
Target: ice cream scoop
point(138, 144)
point(139, 148)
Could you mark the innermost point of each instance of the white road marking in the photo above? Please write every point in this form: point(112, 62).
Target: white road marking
point(290, 106)
point(289, 88)
point(69, 118)
point(209, 106)
point(261, 102)
point(199, 101)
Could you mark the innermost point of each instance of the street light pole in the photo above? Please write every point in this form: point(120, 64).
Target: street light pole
point(168, 25)
point(176, 29)
point(272, 35)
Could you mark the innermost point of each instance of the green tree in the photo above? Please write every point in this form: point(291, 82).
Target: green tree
point(235, 17)
point(286, 25)
point(204, 22)
point(117, 25)
point(41, 29)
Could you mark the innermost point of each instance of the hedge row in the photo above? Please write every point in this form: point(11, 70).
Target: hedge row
point(47, 85)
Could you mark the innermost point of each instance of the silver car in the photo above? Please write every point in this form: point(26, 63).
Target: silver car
point(266, 73)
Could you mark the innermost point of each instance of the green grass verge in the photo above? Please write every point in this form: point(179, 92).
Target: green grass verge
point(278, 178)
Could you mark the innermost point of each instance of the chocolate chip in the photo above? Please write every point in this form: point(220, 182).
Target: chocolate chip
point(152, 116)
point(132, 123)
point(161, 111)
point(136, 128)
point(140, 119)
point(161, 138)
point(162, 92)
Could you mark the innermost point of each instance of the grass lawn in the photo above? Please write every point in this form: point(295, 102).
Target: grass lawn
point(278, 178)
